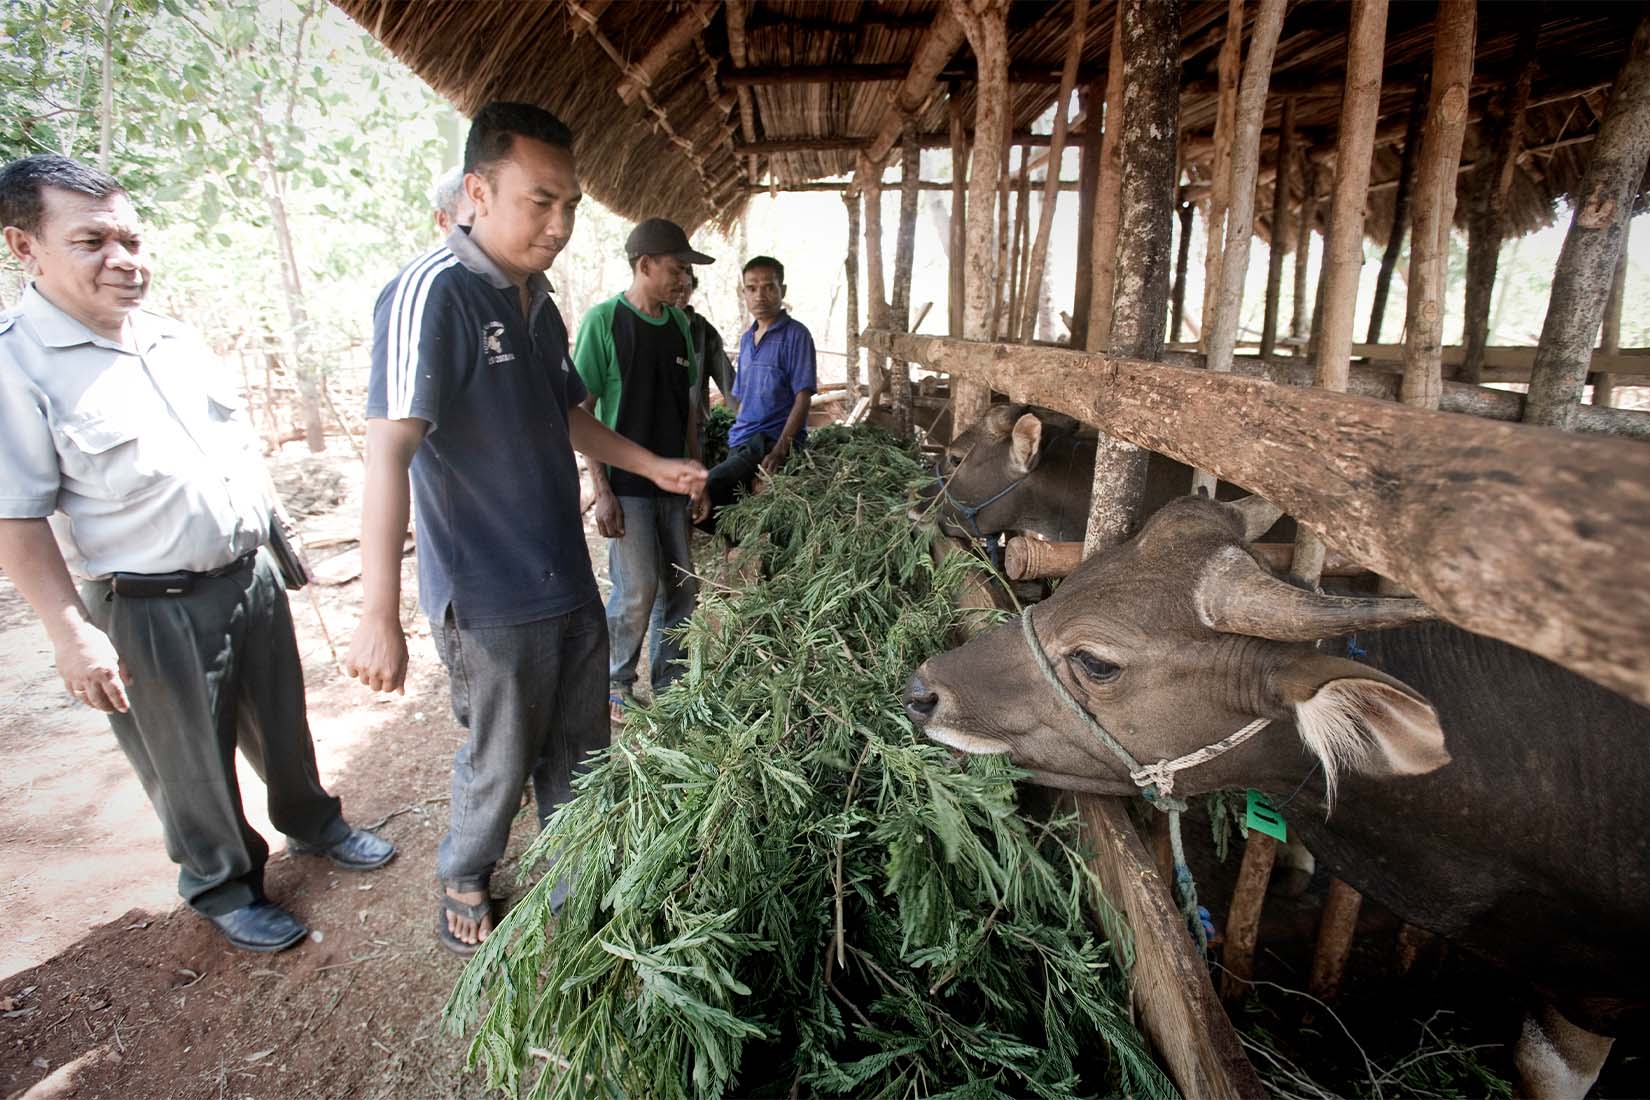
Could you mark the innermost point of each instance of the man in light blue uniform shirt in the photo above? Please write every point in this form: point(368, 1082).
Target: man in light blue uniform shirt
point(774, 387)
point(126, 464)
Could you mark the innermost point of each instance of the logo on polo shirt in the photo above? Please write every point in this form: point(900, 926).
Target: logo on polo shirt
point(492, 340)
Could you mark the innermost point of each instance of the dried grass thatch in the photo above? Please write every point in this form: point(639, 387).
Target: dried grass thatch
point(676, 150)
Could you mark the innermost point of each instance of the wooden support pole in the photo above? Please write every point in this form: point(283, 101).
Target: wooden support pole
point(1109, 201)
point(905, 249)
point(1481, 519)
point(851, 275)
point(1604, 385)
point(1280, 230)
point(1088, 188)
point(933, 53)
point(1056, 150)
point(1220, 329)
point(1400, 211)
point(679, 34)
point(1453, 35)
point(1034, 559)
point(1243, 919)
point(592, 13)
point(1183, 253)
point(876, 288)
point(1300, 318)
point(959, 212)
point(985, 22)
point(1004, 237)
point(1598, 232)
point(1019, 266)
point(1488, 191)
point(1220, 193)
point(736, 11)
point(1335, 930)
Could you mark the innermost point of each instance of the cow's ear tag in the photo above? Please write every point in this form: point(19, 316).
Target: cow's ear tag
point(1260, 814)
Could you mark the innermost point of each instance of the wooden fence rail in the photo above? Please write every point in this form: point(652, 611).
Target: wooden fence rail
point(1537, 537)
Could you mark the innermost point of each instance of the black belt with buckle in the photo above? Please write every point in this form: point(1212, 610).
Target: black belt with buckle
point(180, 583)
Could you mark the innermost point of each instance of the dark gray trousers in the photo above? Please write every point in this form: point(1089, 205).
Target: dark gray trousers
point(213, 670)
point(534, 699)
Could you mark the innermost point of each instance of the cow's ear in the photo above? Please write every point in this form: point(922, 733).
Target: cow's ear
point(1356, 719)
point(1025, 444)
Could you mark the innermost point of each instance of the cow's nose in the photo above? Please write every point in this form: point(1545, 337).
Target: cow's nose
point(920, 701)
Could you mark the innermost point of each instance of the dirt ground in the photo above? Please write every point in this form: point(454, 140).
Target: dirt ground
point(111, 988)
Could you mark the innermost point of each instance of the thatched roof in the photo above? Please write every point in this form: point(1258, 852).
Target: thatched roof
point(680, 147)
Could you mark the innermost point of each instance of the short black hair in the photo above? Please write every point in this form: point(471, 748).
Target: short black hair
point(23, 182)
point(693, 278)
point(498, 124)
point(765, 261)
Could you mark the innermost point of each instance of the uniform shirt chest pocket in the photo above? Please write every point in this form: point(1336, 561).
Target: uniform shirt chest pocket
point(123, 448)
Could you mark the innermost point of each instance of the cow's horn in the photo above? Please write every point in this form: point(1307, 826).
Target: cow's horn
point(1259, 514)
point(1236, 596)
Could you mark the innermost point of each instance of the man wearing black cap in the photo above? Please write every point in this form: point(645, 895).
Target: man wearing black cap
point(635, 355)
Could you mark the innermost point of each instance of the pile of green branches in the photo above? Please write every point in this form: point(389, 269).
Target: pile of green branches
point(778, 886)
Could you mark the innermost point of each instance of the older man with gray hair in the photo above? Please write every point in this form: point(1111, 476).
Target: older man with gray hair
point(452, 206)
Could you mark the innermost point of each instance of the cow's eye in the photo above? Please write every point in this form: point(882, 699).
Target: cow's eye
point(1096, 668)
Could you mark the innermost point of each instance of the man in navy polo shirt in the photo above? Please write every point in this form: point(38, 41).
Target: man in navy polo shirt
point(473, 390)
point(775, 385)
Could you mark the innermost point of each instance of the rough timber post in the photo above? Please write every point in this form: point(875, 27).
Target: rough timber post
point(1604, 385)
point(1220, 194)
point(1183, 252)
point(905, 249)
point(1051, 182)
point(1220, 329)
point(1487, 194)
point(1300, 318)
point(1280, 231)
point(1108, 202)
point(851, 274)
point(876, 292)
point(1598, 232)
point(959, 209)
point(1005, 237)
point(1088, 188)
point(985, 22)
point(1017, 247)
point(1400, 210)
point(1453, 37)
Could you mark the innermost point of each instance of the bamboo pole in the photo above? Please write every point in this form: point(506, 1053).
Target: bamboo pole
point(1598, 233)
point(905, 249)
point(876, 292)
point(959, 211)
point(1220, 330)
point(1183, 252)
point(1604, 385)
point(1454, 31)
point(1488, 191)
point(1088, 193)
point(1300, 319)
point(1056, 150)
point(1280, 230)
point(851, 275)
point(985, 22)
point(1400, 211)
point(1109, 201)
point(676, 37)
point(1220, 194)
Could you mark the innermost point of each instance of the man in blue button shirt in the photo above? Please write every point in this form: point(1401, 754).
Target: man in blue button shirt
point(473, 391)
point(775, 385)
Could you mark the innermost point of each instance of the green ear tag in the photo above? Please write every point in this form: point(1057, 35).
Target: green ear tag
point(1260, 814)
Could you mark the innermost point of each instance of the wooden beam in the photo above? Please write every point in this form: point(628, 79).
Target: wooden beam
point(957, 285)
point(788, 75)
point(1108, 202)
point(1400, 211)
point(840, 143)
point(1598, 230)
point(830, 186)
point(876, 287)
point(1487, 522)
point(1045, 220)
point(1513, 364)
point(905, 249)
point(1092, 101)
point(1183, 252)
point(850, 265)
point(1454, 31)
point(1280, 243)
point(1228, 67)
point(590, 14)
point(933, 53)
point(736, 13)
point(1300, 317)
point(666, 46)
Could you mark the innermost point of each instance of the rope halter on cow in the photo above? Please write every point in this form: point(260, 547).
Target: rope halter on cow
point(1155, 781)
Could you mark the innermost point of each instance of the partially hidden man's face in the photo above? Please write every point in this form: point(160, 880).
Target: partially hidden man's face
point(525, 205)
point(663, 275)
point(764, 293)
point(86, 257)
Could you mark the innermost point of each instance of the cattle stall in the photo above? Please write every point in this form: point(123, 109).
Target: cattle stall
point(1516, 513)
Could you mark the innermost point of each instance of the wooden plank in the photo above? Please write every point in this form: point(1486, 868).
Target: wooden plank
point(1179, 1011)
point(1504, 363)
point(1535, 537)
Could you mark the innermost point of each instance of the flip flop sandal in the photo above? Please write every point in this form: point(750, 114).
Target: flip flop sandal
point(616, 705)
point(477, 913)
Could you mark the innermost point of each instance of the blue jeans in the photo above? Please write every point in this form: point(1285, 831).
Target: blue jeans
point(653, 586)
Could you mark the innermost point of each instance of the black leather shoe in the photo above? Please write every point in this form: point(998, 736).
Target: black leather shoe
point(261, 926)
point(360, 851)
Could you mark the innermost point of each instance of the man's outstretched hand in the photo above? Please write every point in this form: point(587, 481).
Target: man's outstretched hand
point(679, 475)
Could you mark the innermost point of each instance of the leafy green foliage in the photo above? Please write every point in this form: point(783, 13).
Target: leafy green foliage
point(717, 424)
point(778, 884)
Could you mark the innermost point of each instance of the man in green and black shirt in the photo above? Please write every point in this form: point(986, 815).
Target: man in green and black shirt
point(635, 355)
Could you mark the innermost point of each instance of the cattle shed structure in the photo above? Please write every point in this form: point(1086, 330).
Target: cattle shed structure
point(1526, 518)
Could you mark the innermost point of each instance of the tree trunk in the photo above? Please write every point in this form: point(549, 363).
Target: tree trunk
point(1300, 319)
point(1280, 231)
point(303, 372)
point(1108, 202)
point(106, 107)
point(1487, 193)
point(1400, 210)
point(1435, 183)
point(1604, 385)
point(851, 274)
point(1220, 194)
point(1598, 234)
